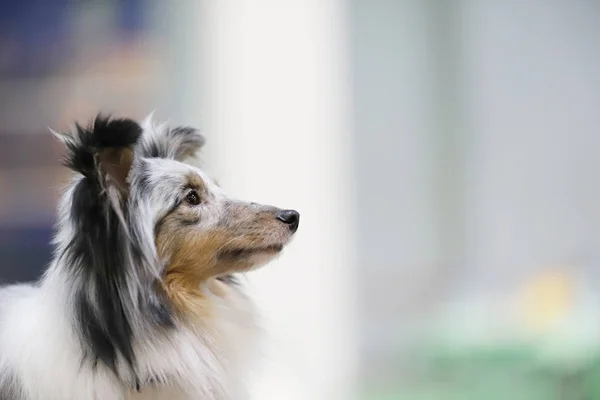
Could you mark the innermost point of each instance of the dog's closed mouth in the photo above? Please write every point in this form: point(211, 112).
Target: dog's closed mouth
point(245, 252)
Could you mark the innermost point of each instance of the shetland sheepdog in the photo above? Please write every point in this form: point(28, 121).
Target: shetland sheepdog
point(140, 300)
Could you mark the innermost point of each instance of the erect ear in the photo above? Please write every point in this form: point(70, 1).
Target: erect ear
point(103, 151)
point(113, 166)
point(162, 141)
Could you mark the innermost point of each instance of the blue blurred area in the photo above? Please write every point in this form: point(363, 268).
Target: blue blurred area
point(131, 17)
point(34, 33)
point(34, 23)
point(24, 252)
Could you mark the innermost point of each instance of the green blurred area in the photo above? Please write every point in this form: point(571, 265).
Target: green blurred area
point(502, 373)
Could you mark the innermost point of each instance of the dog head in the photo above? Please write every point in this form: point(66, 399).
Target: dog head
point(199, 230)
point(148, 216)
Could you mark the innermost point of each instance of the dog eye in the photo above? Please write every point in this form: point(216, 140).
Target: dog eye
point(192, 198)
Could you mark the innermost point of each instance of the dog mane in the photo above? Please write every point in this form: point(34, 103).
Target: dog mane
point(111, 292)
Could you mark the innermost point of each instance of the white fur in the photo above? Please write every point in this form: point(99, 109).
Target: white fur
point(39, 344)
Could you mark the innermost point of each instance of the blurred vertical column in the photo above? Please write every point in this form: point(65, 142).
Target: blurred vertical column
point(267, 81)
point(408, 168)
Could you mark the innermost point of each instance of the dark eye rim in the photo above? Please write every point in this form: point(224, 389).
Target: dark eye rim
point(192, 198)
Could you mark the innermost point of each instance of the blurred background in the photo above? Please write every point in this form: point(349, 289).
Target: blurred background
point(443, 155)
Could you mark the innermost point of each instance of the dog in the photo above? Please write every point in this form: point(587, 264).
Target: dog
point(141, 299)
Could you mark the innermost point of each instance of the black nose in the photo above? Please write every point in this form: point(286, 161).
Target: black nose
point(290, 217)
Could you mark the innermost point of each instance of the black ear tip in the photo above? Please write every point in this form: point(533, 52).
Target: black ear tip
point(114, 132)
point(102, 133)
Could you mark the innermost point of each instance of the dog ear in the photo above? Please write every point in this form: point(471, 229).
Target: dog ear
point(162, 141)
point(113, 165)
point(103, 151)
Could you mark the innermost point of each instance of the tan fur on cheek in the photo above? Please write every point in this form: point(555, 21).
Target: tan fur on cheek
point(192, 260)
point(188, 266)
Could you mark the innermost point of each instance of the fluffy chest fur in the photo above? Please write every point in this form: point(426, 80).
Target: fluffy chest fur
point(208, 359)
point(42, 357)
